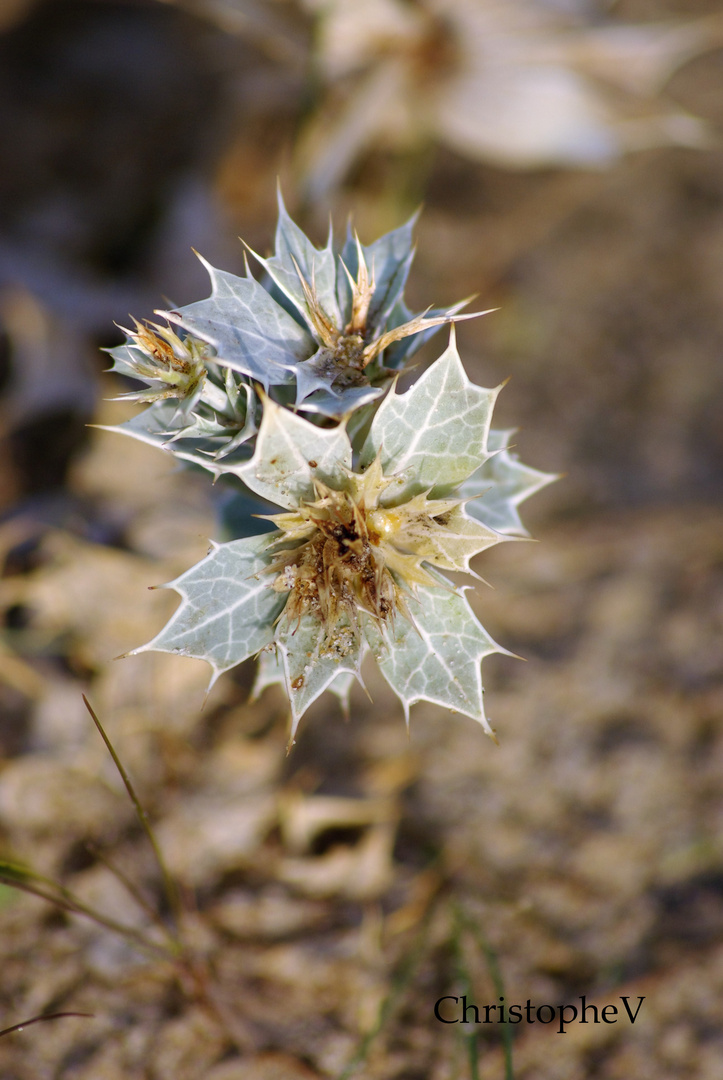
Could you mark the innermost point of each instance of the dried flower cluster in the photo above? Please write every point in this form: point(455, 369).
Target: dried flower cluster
point(523, 84)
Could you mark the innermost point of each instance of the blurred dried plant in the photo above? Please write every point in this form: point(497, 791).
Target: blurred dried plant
point(522, 84)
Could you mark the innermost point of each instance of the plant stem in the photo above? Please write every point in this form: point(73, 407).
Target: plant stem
point(70, 903)
point(169, 885)
point(38, 1019)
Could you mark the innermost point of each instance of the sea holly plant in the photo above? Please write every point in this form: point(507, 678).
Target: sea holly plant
point(283, 387)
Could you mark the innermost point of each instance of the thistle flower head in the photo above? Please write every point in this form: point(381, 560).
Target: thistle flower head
point(352, 556)
point(171, 366)
point(197, 409)
point(334, 570)
point(349, 344)
point(321, 319)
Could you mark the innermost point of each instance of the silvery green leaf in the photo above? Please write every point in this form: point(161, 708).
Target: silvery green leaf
point(250, 332)
point(219, 440)
point(246, 433)
point(329, 403)
point(314, 374)
point(290, 452)
point(271, 672)
point(234, 390)
point(439, 661)
point(388, 260)
point(502, 483)
point(435, 434)
point(312, 663)
point(315, 391)
point(199, 427)
point(242, 399)
point(239, 395)
point(294, 255)
point(158, 425)
point(228, 607)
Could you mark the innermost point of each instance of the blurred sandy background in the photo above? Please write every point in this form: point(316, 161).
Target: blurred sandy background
point(333, 895)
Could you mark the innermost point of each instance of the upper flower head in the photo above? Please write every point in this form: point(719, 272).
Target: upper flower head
point(321, 319)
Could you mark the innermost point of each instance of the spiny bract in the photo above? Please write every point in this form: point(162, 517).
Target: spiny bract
point(377, 508)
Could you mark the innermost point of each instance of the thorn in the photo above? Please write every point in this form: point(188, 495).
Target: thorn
point(469, 299)
point(506, 652)
point(259, 258)
point(364, 688)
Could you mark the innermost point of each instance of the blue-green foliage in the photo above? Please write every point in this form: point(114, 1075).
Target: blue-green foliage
point(279, 385)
